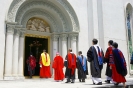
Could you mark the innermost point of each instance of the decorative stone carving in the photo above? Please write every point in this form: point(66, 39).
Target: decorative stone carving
point(55, 37)
point(64, 37)
point(14, 8)
point(38, 25)
point(17, 32)
point(10, 28)
point(41, 13)
point(22, 32)
point(44, 4)
point(17, 3)
point(73, 37)
point(71, 14)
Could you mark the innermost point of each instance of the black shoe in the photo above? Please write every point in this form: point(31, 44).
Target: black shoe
point(93, 83)
point(116, 84)
point(107, 81)
point(126, 86)
point(83, 80)
point(67, 81)
point(72, 82)
point(79, 80)
point(100, 83)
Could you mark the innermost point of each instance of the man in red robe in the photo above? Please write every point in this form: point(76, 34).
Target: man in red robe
point(58, 67)
point(107, 57)
point(31, 62)
point(45, 65)
point(71, 66)
point(118, 66)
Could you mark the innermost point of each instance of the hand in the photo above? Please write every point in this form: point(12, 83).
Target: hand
point(40, 65)
point(110, 67)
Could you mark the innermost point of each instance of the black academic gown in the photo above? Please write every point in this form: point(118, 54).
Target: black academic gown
point(94, 65)
point(81, 73)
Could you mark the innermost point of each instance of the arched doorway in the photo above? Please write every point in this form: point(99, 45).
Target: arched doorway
point(63, 25)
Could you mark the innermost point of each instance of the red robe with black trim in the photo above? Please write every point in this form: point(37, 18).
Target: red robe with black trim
point(71, 62)
point(58, 65)
point(107, 57)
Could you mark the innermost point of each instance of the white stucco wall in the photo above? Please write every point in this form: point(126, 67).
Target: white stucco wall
point(114, 24)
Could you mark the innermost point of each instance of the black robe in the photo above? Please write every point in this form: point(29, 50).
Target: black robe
point(94, 65)
point(81, 73)
point(107, 60)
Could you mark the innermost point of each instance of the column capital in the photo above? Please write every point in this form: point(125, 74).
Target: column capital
point(16, 32)
point(22, 32)
point(55, 37)
point(10, 28)
point(64, 37)
point(73, 36)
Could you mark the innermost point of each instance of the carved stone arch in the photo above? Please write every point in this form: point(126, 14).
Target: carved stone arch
point(41, 4)
point(16, 4)
point(43, 15)
point(71, 13)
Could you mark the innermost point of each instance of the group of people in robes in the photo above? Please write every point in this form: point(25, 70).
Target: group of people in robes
point(116, 69)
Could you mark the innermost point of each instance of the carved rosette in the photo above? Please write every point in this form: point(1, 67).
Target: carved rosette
point(64, 37)
point(73, 37)
point(55, 37)
point(10, 28)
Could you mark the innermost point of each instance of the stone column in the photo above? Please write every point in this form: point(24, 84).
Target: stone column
point(55, 44)
point(15, 53)
point(55, 48)
point(64, 45)
point(73, 38)
point(74, 42)
point(8, 52)
point(21, 55)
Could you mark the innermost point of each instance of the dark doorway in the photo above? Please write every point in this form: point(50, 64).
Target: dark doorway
point(35, 46)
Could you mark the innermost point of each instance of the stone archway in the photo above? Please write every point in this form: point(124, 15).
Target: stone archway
point(63, 24)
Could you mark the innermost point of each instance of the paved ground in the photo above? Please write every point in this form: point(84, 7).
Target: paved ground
point(50, 83)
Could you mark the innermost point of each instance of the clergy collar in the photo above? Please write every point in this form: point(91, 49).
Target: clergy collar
point(71, 52)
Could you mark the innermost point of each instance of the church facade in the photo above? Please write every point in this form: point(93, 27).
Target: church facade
point(29, 26)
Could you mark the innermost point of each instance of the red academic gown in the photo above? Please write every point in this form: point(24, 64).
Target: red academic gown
point(115, 75)
point(71, 62)
point(58, 68)
point(44, 70)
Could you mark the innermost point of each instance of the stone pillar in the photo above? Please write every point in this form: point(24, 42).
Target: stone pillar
point(73, 38)
point(8, 52)
point(55, 44)
point(74, 42)
point(21, 55)
point(55, 48)
point(15, 53)
point(64, 45)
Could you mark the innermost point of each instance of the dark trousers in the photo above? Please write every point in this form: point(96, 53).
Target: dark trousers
point(31, 71)
point(69, 76)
